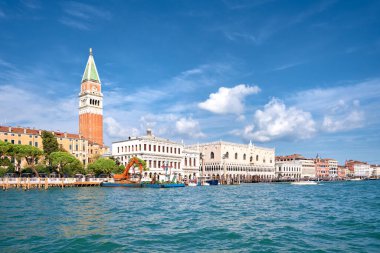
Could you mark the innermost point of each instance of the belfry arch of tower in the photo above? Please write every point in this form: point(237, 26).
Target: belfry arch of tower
point(91, 103)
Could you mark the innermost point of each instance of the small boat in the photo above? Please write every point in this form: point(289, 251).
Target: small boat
point(356, 179)
point(212, 182)
point(143, 185)
point(109, 184)
point(304, 183)
point(192, 184)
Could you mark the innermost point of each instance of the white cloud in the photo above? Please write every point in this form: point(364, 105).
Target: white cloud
point(344, 117)
point(228, 100)
point(115, 130)
point(342, 108)
point(82, 16)
point(190, 127)
point(277, 121)
point(19, 107)
point(321, 100)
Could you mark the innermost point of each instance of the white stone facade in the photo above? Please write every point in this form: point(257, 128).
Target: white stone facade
point(237, 161)
point(161, 155)
point(333, 168)
point(288, 170)
point(362, 170)
point(308, 168)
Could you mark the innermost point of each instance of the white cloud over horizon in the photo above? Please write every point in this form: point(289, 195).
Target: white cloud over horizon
point(20, 107)
point(189, 127)
point(277, 121)
point(228, 100)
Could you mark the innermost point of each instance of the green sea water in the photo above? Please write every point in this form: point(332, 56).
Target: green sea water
point(331, 217)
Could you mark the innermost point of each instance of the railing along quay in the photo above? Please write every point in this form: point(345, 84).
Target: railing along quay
point(45, 183)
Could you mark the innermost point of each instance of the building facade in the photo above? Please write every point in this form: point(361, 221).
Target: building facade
point(237, 162)
point(288, 170)
point(342, 172)
point(308, 170)
point(75, 144)
point(91, 104)
point(321, 168)
point(376, 171)
point(333, 168)
point(358, 168)
point(161, 155)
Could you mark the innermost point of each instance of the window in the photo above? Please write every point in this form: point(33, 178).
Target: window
point(30, 136)
point(19, 135)
point(159, 148)
point(257, 158)
point(71, 147)
point(244, 156)
point(36, 144)
point(7, 134)
point(13, 141)
point(30, 143)
point(186, 160)
point(150, 147)
point(144, 147)
point(6, 140)
point(118, 149)
point(76, 147)
point(19, 142)
point(13, 134)
point(236, 156)
point(251, 159)
point(154, 149)
point(212, 155)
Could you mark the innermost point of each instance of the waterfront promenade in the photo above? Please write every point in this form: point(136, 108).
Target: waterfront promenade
point(245, 218)
point(30, 183)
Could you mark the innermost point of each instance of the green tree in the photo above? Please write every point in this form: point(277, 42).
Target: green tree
point(49, 142)
point(30, 153)
point(5, 148)
point(17, 152)
point(102, 166)
point(66, 163)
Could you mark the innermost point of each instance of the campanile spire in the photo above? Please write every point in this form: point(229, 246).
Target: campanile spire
point(91, 103)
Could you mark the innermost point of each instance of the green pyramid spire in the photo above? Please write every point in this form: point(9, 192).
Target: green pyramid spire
point(91, 73)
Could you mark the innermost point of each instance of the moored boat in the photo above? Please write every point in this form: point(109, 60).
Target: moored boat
point(142, 185)
point(212, 182)
point(130, 185)
point(304, 183)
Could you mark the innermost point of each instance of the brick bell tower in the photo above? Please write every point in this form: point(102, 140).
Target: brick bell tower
point(91, 104)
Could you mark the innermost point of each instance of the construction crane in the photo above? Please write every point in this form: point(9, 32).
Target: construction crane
point(125, 177)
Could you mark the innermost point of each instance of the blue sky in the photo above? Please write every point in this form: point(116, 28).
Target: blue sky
point(300, 76)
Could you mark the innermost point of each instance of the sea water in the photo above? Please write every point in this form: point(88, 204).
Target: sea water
point(331, 217)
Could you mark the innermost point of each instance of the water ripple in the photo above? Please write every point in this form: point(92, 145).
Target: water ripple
point(333, 217)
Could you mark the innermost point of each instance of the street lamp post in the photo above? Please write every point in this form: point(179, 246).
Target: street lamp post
point(201, 156)
point(225, 156)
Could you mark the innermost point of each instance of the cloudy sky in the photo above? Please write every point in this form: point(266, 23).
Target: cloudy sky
point(300, 76)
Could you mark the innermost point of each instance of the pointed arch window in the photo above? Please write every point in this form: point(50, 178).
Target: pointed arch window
point(236, 156)
point(244, 156)
point(212, 156)
point(257, 158)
